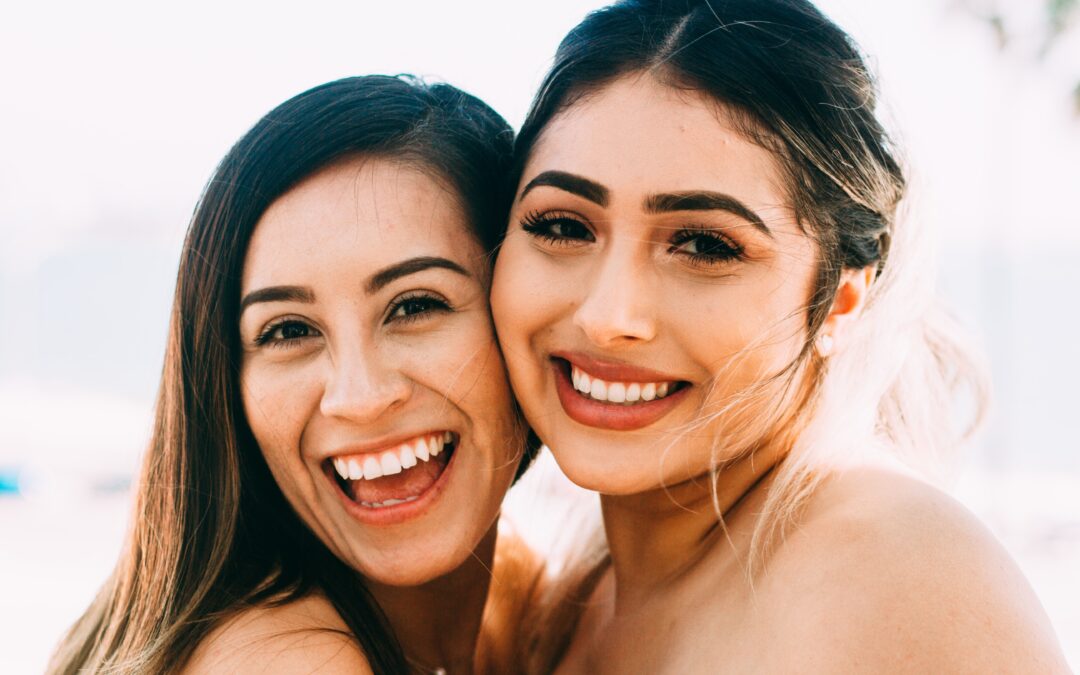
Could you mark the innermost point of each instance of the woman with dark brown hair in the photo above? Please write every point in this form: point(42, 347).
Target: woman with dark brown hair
point(334, 430)
point(713, 316)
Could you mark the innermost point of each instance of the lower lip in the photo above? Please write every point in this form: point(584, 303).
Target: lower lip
point(615, 417)
point(398, 513)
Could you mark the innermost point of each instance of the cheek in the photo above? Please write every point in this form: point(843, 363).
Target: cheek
point(463, 366)
point(526, 298)
point(277, 402)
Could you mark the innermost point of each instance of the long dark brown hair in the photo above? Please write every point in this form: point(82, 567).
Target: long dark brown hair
point(211, 532)
point(795, 83)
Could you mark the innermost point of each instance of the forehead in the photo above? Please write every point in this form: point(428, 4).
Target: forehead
point(638, 135)
point(359, 215)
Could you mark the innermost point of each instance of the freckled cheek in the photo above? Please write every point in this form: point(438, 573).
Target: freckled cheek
point(278, 402)
point(462, 364)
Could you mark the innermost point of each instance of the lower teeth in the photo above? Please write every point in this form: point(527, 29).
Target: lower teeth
point(388, 502)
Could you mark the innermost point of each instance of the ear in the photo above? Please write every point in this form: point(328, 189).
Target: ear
point(847, 306)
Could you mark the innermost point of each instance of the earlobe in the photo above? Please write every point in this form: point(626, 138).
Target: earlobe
point(848, 304)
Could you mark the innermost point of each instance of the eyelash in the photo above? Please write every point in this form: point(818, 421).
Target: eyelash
point(434, 304)
point(728, 249)
point(266, 337)
point(540, 224)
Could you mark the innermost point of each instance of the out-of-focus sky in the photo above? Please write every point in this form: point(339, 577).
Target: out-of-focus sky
point(114, 113)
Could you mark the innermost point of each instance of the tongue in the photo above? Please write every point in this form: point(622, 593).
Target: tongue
point(409, 483)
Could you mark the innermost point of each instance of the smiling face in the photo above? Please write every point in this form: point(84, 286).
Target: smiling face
point(653, 272)
point(370, 375)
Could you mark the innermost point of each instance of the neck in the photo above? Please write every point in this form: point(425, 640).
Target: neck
point(657, 537)
point(438, 623)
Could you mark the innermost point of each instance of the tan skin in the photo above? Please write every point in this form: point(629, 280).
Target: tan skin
point(350, 363)
point(882, 573)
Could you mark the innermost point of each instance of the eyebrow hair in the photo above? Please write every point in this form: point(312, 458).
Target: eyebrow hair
point(411, 266)
point(277, 294)
point(702, 200)
point(578, 185)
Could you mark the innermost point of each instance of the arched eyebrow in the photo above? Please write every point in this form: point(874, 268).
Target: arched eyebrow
point(572, 183)
point(278, 294)
point(704, 200)
point(411, 266)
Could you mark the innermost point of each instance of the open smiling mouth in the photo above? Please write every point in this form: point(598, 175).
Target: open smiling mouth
point(614, 404)
point(398, 475)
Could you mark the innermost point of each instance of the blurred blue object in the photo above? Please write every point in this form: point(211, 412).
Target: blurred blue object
point(9, 480)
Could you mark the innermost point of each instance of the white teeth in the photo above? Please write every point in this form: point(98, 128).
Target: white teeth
point(342, 468)
point(389, 502)
point(390, 463)
point(421, 450)
point(407, 457)
point(585, 383)
point(618, 392)
point(372, 468)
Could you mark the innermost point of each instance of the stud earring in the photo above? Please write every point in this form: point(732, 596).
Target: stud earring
point(824, 345)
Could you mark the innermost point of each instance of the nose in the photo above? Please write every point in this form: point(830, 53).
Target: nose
point(617, 308)
point(361, 387)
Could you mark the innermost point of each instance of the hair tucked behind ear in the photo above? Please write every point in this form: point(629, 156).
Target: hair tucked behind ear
point(797, 84)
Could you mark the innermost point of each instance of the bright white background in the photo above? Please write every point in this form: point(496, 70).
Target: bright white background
point(113, 115)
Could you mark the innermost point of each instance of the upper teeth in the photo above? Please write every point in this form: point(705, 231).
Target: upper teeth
point(394, 460)
point(617, 392)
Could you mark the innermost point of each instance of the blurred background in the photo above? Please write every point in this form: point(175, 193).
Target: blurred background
point(115, 113)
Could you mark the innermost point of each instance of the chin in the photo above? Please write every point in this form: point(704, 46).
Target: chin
point(598, 476)
point(413, 567)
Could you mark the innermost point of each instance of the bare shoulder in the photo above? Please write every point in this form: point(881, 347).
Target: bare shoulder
point(305, 636)
point(886, 572)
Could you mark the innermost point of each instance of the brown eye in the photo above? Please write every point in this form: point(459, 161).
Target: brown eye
point(417, 306)
point(705, 246)
point(556, 227)
point(284, 332)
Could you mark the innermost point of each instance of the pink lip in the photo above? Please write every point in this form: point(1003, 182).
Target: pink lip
point(611, 370)
point(399, 513)
point(616, 417)
point(380, 444)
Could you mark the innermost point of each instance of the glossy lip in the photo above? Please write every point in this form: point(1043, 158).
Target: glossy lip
point(612, 416)
point(613, 371)
point(399, 513)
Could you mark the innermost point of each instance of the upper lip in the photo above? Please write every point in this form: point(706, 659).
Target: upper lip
point(613, 371)
point(381, 444)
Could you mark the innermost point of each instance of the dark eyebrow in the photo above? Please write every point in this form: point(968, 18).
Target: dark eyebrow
point(704, 201)
point(411, 266)
point(277, 294)
point(578, 185)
